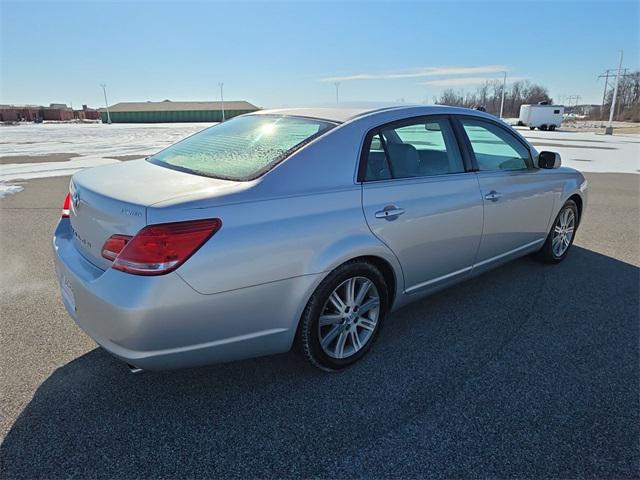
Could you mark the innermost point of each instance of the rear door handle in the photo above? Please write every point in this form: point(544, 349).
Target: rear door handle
point(493, 196)
point(390, 212)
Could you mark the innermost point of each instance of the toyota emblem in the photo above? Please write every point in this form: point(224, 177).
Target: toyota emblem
point(76, 199)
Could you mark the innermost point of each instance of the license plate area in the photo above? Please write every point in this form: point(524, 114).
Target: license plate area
point(67, 292)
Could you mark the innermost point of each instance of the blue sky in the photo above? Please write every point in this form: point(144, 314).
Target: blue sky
point(289, 53)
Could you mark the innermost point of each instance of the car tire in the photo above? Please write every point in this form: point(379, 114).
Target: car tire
point(543, 128)
point(532, 128)
point(333, 344)
point(552, 128)
point(560, 239)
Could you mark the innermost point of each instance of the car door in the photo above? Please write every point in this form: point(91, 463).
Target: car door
point(518, 198)
point(421, 200)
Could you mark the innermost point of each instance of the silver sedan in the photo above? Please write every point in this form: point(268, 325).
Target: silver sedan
point(302, 226)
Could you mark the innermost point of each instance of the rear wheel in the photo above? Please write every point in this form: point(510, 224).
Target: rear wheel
point(552, 128)
point(543, 127)
point(561, 236)
point(343, 316)
point(532, 128)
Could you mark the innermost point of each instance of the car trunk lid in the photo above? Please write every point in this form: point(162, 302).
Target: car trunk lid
point(113, 200)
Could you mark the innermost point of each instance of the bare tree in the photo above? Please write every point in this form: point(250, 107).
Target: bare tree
point(489, 95)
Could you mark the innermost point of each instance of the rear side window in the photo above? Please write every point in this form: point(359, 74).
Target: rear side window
point(424, 148)
point(494, 148)
point(241, 148)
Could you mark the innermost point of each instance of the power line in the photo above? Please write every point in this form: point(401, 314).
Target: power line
point(575, 98)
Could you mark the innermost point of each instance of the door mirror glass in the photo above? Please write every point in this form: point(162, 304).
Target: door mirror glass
point(549, 160)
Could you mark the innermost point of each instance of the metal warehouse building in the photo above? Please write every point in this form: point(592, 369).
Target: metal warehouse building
point(168, 111)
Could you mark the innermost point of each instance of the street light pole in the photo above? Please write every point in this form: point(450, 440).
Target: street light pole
point(221, 85)
point(609, 129)
point(337, 84)
point(106, 103)
point(504, 89)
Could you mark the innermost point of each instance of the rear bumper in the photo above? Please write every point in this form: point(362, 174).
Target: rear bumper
point(160, 322)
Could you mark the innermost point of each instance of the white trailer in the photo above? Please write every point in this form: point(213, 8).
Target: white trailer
point(541, 116)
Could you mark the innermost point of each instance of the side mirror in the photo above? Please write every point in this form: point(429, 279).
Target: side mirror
point(549, 160)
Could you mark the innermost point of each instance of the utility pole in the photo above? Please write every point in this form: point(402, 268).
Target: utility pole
point(622, 75)
point(504, 88)
point(609, 129)
point(604, 93)
point(608, 73)
point(221, 85)
point(574, 98)
point(106, 103)
point(337, 85)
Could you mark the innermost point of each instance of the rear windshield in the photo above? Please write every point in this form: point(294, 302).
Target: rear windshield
point(242, 148)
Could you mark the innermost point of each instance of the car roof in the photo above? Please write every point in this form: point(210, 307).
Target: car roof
point(331, 114)
point(344, 114)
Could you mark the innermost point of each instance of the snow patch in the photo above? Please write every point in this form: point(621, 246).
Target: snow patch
point(9, 189)
point(27, 171)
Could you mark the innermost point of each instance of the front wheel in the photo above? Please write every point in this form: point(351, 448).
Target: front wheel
point(343, 316)
point(561, 236)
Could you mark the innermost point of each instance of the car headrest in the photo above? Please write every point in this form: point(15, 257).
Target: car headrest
point(405, 160)
point(377, 168)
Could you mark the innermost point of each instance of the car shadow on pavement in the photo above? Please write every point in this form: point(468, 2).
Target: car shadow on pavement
point(528, 370)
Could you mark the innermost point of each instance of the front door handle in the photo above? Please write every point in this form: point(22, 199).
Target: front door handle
point(390, 212)
point(493, 196)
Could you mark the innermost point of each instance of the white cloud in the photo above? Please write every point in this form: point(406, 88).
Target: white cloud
point(461, 81)
point(419, 73)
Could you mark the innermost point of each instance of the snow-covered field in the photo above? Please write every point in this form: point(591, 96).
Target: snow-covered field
point(98, 144)
point(95, 144)
point(590, 152)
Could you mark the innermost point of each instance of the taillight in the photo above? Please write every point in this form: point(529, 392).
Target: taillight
point(114, 245)
point(65, 206)
point(159, 249)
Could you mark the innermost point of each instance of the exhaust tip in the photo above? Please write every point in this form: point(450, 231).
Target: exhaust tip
point(134, 369)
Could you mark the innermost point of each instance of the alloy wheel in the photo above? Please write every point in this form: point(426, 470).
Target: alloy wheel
point(349, 317)
point(563, 232)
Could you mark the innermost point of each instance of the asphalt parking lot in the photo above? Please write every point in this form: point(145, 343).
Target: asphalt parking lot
point(527, 371)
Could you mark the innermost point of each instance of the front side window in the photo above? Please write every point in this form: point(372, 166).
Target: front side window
point(240, 148)
point(494, 148)
point(424, 148)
